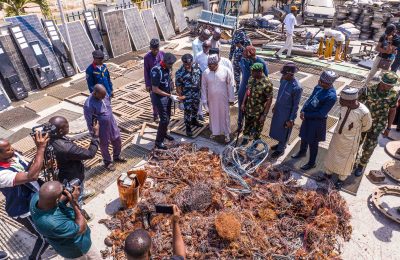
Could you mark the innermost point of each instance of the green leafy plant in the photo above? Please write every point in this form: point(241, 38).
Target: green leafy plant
point(17, 7)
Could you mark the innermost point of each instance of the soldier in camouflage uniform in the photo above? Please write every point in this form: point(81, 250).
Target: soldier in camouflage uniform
point(239, 42)
point(381, 100)
point(188, 84)
point(256, 103)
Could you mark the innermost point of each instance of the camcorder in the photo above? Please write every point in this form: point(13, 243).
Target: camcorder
point(45, 128)
point(70, 185)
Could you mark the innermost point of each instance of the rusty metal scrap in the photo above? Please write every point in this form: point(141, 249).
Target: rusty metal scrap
point(279, 217)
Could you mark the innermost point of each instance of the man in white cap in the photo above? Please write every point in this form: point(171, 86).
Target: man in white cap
point(354, 119)
point(290, 22)
point(217, 92)
point(216, 36)
point(314, 114)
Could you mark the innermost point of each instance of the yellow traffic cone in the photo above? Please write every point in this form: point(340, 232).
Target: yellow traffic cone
point(338, 52)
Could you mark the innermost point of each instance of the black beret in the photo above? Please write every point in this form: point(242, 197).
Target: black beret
point(169, 58)
point(98, 54)
point(213, 51)
point(154, 43)
point(187, 58)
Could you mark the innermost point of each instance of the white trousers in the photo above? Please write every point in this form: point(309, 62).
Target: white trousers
point(288, 45)
point(374, 69)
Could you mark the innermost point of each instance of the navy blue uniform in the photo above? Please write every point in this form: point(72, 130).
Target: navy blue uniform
point(190, 82)
point(236, 53)
point(161, 78)
point(94, 76)
point(313, 128)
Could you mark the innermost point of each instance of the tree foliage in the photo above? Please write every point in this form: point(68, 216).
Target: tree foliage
point(17, 7)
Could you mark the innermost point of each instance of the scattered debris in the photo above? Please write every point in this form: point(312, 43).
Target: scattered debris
point(388, 190)
point(277, 218)
point(376, 176)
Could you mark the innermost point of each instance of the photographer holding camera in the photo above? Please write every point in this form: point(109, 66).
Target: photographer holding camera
point(138, 243)
point(64, 227)
point(18, 183)
point(70, 156)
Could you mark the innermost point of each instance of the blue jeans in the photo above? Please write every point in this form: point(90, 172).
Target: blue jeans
point(396, 63)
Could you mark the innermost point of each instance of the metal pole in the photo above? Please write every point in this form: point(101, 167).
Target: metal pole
point(84, 5)
point(67, 34)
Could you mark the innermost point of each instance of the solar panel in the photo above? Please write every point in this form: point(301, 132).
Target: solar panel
point(217, 19)
point(179, 15)
point(80, 42)
point(229, 22)
point(95, 34)
point(17, 61)
point(136, 28)
point(117, 33)
point(205, 16)
point(33, 30)
point(4, 100)
point(150, 24)
point(163, 20)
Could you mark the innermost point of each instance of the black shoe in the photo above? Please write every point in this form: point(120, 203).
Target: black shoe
point(359, 171)
point(397, 129)
point(339, 184)
point(289, 57)
point(189, 132)
point(161, 146)
point(244, 142)
point(120, 160)
point(277, 56)
point(3, 255)
point(307, 167)
point(169, 138)
point(274, 147)
point(201, 118)
point(197, 123)
point(277, 154)
point(298, 155)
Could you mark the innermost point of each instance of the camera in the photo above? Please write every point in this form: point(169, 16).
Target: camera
point(70, 185)
point(45, 128)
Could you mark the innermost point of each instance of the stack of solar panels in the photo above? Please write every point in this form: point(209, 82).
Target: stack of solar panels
point(364, 24)
point(378, 23)
point(355, 11)
point(342, 13)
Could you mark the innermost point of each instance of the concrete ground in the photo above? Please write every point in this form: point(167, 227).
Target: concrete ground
point(374, 236)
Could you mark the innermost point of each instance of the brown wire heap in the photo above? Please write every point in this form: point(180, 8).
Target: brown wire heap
point(279, 218)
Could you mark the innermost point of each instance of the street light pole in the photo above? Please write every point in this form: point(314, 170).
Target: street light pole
point(74, 64)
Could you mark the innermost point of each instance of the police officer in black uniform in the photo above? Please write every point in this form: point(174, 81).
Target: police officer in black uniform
point(162, 86)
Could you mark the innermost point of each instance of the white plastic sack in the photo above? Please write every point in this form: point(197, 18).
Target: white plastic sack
point(268, 17)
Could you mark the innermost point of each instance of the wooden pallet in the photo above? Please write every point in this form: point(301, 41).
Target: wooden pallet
point(128, 110)
point(134, 96)
point(180, 128)
point(78, 99)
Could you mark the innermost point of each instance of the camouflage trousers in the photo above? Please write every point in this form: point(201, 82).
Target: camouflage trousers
point(236, 72)
point(191, 108)
point(369, 141)
point(252, 126)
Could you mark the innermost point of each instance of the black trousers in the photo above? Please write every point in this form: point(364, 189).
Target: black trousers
point(313, 150)
point(163, 105)
point(41, 245)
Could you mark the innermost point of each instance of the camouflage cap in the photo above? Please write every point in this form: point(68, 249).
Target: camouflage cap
point(390, 78)
point(257, 66)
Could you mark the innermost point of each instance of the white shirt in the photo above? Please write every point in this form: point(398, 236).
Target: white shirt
point(202, 60)
point(197, 46)
point(290, 21)
point(7, 177)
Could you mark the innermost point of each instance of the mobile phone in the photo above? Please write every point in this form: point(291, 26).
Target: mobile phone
point(94, 120)
point(164, 209)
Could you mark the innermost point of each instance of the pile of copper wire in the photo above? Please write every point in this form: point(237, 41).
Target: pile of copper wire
point(279, 217)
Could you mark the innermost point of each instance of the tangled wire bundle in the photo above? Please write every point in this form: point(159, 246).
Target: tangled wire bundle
point(278, 218)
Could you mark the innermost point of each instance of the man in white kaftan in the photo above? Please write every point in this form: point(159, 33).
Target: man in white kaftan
point(222, 60)
point(218, 93)
point(355, 118)
point(197, 44)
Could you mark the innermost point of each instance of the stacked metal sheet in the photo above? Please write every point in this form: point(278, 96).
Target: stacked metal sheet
point(117, 33)
point(33, 30)
point(163, 20)
point(150, 24)
point(136, 28)
point(81, 44)
point(179, 15)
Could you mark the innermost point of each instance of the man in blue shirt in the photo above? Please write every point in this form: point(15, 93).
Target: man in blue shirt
point(64, 227)
point(314, 114)
point(286, 106)
point(97, 73)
